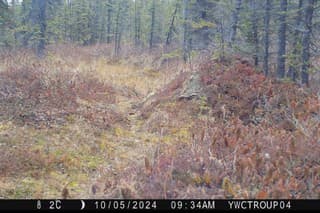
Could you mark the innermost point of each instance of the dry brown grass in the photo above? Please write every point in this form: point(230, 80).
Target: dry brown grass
point(105, 128)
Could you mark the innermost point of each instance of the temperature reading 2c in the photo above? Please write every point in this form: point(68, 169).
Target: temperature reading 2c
point(55, 204)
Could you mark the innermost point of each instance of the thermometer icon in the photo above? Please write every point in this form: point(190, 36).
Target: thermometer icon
point(38, 204)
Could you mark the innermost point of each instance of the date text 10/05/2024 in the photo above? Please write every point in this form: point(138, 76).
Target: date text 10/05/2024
point(194, 204)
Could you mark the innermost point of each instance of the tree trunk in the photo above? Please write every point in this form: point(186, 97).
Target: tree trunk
point(94, 21)
point(103, 27)
point(255, 40)
point(186, 36)
point(109, 21)
point(171, 28)
point(137, 23)
point(281, 64)
point(38, 17)
point(13, 5)
point(234, 22)
point(266, 37)
point(153, 11)
point(117, 33)
point(294, 64)
point(306, 40)
point(139, 26)
point(26, 35)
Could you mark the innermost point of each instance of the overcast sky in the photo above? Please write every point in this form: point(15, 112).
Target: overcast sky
point(9, 1)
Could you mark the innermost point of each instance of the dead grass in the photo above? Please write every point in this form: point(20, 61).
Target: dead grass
point(79, 120)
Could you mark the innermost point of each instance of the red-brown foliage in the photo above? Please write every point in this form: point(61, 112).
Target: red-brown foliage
point(40, 97)
point(266, 146)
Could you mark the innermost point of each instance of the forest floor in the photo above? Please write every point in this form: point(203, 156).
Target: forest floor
point(78, 125)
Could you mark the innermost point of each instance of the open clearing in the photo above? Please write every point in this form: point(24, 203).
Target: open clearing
point(83, 126)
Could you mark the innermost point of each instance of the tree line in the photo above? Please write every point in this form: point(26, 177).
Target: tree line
point(273, 32)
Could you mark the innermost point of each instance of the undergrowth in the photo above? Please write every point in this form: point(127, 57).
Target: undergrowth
point(81, 122)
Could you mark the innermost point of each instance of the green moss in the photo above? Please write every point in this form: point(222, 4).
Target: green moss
point(71, 119)
point(24, 189)
point(201, 24)
point(173, 54)
point(93, 162)
point(203, 105)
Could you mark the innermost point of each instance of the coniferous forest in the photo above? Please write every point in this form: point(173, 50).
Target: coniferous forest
point(162, 99)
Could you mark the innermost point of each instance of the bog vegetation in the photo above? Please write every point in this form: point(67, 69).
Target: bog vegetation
point(159, 99)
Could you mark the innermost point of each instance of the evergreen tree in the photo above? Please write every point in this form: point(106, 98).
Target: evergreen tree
point(267, 14)
point(306, 40)
point(281, 65)
point(296, 44)
point(189, 25)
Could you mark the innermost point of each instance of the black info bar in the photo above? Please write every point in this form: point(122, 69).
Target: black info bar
point(112, 204)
